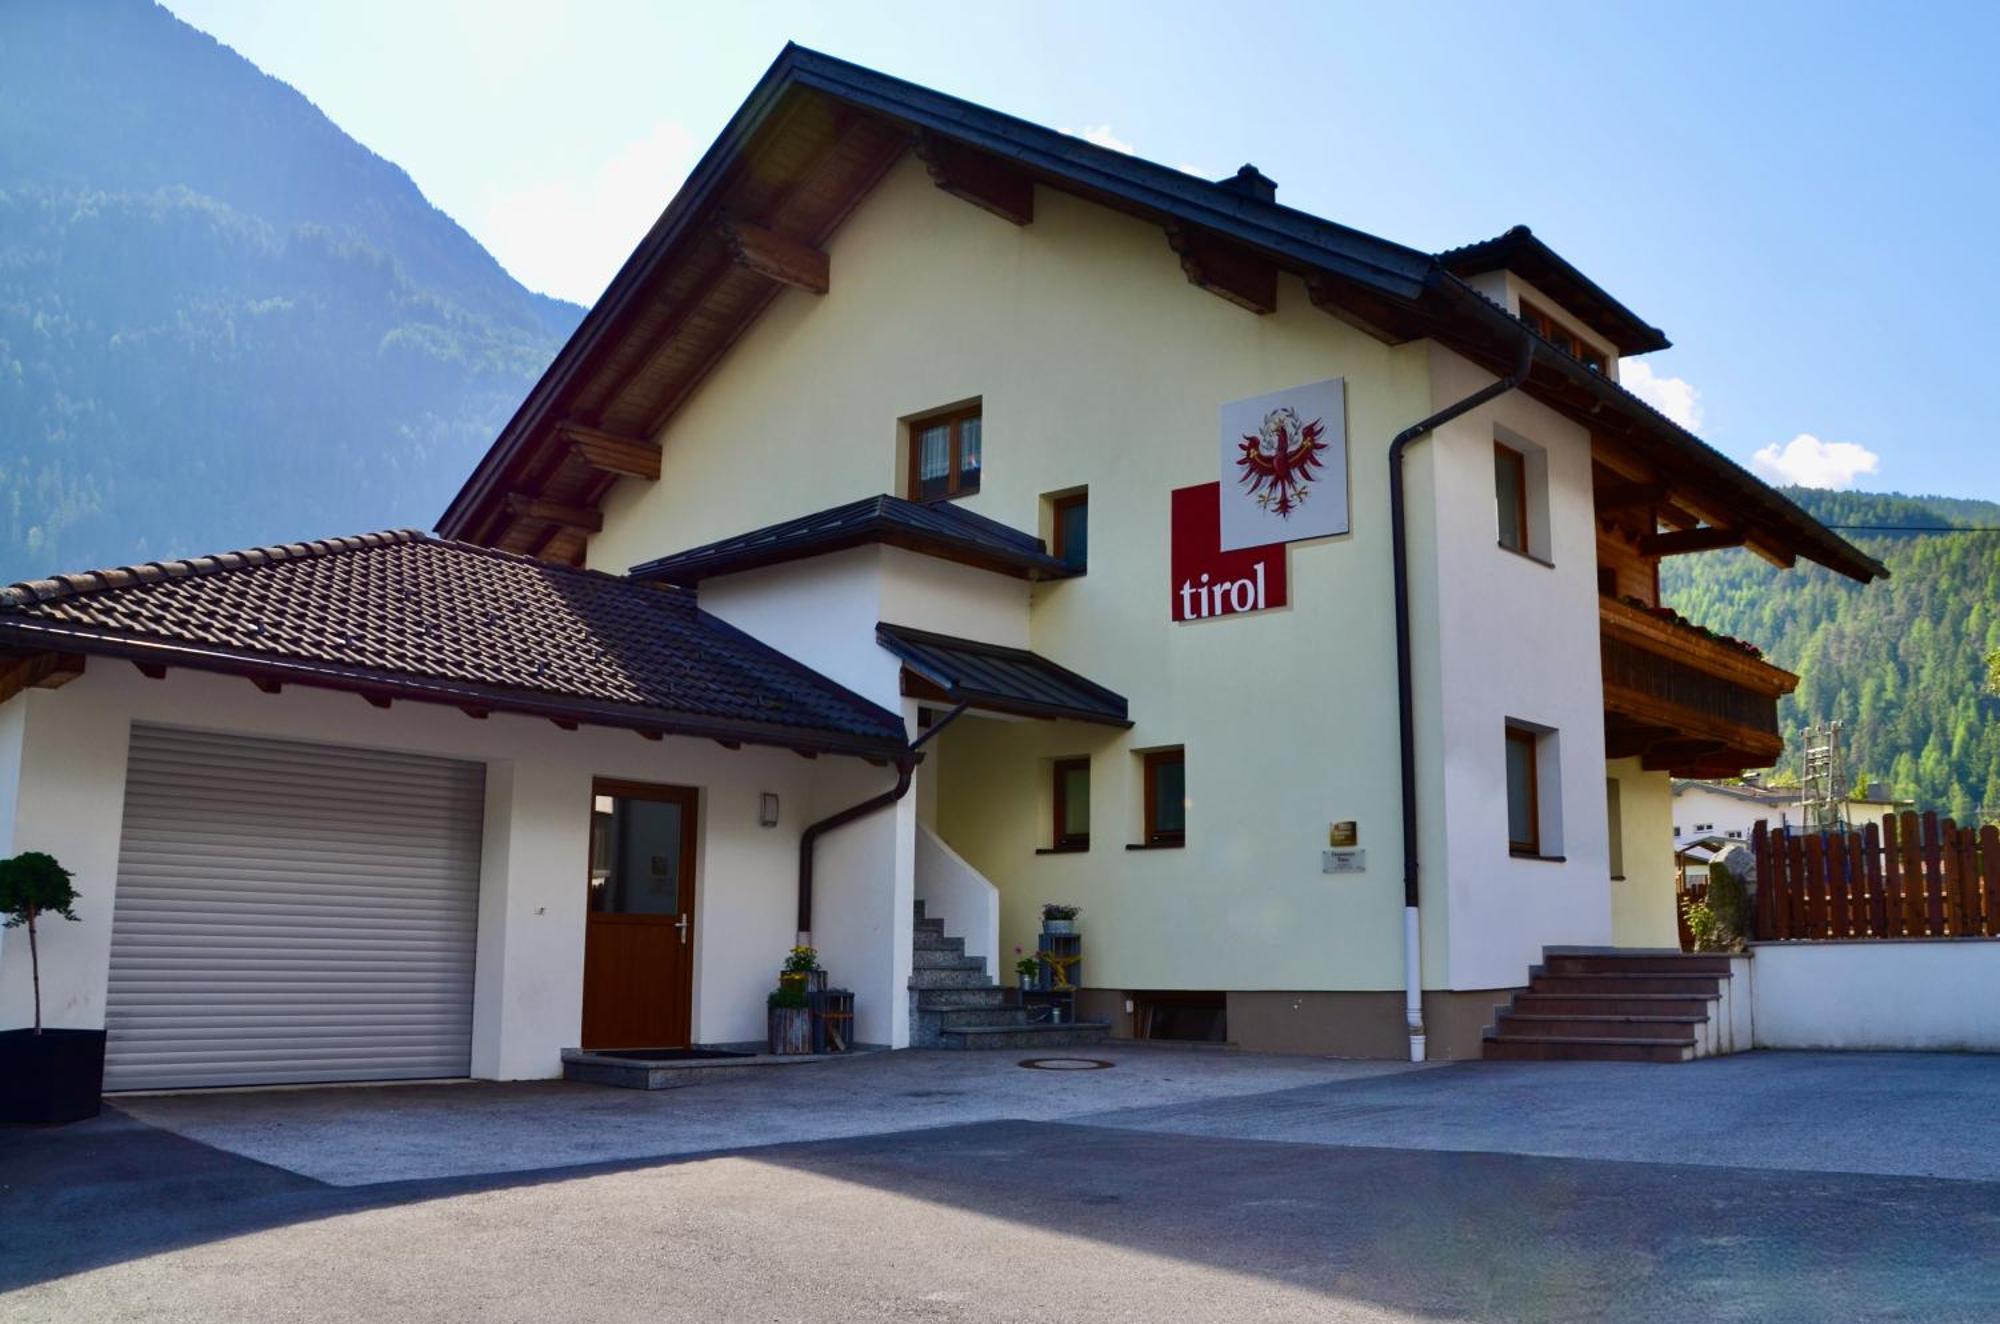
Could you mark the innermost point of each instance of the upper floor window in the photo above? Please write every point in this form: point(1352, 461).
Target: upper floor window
point(1071, 527)
point(1510, 488)
point(1563, 338)
point(1072, 804)
point(1166, 797)
point(944, 455)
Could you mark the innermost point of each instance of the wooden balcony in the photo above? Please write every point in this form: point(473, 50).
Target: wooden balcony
point(1683, 702)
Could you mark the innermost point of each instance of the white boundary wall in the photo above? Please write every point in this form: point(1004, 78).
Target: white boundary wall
point(1913, 994)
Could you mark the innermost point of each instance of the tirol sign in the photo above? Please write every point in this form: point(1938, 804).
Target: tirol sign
point(1284, 465)
point(1208, 581)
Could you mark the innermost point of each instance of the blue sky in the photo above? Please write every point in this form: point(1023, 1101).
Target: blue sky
point(1803, 197)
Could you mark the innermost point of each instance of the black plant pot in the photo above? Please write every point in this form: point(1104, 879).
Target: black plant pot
point(54, 1076)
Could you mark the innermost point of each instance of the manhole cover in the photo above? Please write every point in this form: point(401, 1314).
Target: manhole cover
point(1065, 1064)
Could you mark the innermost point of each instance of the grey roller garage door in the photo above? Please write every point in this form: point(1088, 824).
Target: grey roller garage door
point(291, 912)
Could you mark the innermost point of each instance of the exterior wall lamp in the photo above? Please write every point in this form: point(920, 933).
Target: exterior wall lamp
point(767, 809)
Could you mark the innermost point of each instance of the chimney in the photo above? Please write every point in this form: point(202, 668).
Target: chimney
point(1252, 183)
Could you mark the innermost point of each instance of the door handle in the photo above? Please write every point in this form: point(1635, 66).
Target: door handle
point(682, 925)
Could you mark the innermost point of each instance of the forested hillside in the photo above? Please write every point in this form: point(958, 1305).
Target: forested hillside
point(1901, 662)
point(222, 321)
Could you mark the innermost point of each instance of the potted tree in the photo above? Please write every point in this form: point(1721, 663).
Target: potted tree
point(46, 1075)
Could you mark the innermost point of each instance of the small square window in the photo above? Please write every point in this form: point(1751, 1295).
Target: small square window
point(945, 455)
point(1071, 527)
point(1166, 797)
point(1072, 804)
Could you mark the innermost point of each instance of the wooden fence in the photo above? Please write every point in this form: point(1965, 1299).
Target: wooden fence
point(1915, 877)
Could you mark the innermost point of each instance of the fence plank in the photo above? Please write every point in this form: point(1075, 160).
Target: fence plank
point(1913, 877)
point(1989, 879)
point(1933, 876)
point(1816, 906)
point(1879, 905)
point(1854, 877)
point(1951, 869)
point(1763, 924)
point(1894, 925)
point(1838, 918)
point(1795, 864)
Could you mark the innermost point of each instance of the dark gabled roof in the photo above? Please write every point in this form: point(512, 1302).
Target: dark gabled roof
point(1005, 680)
point(400, 615)
point(938, 528)
point(1520, 252)
point(816, 133)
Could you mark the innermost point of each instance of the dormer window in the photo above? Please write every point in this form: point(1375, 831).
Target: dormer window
point(944, 455)
point(1563, 338)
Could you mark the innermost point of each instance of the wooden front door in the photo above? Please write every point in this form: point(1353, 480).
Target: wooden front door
point(638, 942)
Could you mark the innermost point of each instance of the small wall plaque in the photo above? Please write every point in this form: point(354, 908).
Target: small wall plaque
point(1343, 835)
point(1343, 861)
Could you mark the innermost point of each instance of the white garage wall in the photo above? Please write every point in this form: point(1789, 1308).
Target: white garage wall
point(62, 790)
point(1920, 993)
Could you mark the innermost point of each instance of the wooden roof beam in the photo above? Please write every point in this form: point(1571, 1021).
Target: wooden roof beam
point(581, 518)
point(627, 457)
point(1682, 541)
point(777, 256)
point(1629, 496)
point(42, 671)
point(979, 178)
point(1226, 270)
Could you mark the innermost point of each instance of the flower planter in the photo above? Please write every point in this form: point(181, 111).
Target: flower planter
point(1059, 927)
point(54, 1076)
point(790, 1031)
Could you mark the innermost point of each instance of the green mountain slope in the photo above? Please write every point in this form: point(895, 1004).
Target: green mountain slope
point(1900, 662)
point(222, 321)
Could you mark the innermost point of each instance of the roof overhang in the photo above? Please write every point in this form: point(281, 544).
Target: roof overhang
point(997, 679)
point(1522, 253)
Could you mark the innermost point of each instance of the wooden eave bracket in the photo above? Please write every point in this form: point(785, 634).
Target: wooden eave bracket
point(581, 518)
point(627, 457)
point(1709, 538)
point(42, 671)
point(1226, 270)
point(782, 259)
point(979, 178)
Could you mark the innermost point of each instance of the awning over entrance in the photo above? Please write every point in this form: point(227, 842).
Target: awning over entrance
point(997, 679)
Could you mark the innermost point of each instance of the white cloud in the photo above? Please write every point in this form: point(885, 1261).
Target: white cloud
point(568, 237)
point(1676, 397)
point(1102, 135)
point(1809, 462)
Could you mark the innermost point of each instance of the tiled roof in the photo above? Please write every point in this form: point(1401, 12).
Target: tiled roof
point(938, 528)
point(1007, 680)
point(1520, 251)
point(402, 615)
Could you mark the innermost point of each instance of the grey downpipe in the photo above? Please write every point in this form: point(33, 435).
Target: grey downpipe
point(906, 768)
point(1413, 962)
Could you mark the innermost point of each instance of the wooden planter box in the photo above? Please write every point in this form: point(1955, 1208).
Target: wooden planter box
point(791, 1030)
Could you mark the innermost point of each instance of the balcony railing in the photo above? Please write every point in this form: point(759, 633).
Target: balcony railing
point(1684, 701)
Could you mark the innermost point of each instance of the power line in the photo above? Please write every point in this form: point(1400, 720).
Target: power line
point(1908, 528)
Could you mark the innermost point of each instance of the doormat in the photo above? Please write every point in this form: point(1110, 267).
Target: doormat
point(665, 1054)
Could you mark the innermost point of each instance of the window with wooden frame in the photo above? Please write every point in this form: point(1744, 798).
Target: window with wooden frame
point(945, 455)
point(1524, 792)
point(1071, 800)
point(1549, 329)
point(1070, 530)
point(1166, 797)
point(1510, 490)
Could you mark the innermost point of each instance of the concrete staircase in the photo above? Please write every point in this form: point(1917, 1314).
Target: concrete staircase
point(954, 1002)
point(1604, 1005)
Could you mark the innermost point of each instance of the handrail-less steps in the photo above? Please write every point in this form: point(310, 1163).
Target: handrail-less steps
point(954, 1002)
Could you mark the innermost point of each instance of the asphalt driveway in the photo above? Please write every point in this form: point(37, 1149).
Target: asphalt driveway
point(1172, 1186)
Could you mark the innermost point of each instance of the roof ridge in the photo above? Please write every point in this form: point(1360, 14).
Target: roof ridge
point(29, 592)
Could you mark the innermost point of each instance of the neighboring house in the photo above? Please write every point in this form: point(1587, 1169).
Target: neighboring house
point(957, 429)
point(1729, 810)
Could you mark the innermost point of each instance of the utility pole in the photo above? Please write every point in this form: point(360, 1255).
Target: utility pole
point(1823, 780)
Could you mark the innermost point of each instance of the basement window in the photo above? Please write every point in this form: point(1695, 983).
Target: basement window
point(1181, 1016)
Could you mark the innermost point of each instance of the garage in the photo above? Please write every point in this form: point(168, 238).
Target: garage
point(291, 912)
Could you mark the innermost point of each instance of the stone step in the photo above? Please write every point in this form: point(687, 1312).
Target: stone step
point(933, 978)
point(1681, 1029)
point(927, 941)
point(1684, 985)
point(943, 958)
point(1644, 963)
point(1077, 1034)
point(930, 926)
point(1604, 1004)
point(1549, 1048)
point(957, 1018)
point(948, 999)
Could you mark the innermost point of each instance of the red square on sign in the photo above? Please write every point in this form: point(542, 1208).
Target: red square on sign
point(1208, 581)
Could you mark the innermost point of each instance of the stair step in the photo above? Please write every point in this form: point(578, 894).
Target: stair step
point(941, 958)
point(1545, 1048)
point(1616, 1004)
point(958, 1018)
point(1649, 963)
point(928, 941)
point(1685, 985)
point(932, 977)
point(1073, 1035)
point(930, 926)
point(1680, 1029)
point(950, 999)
